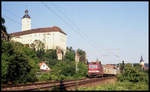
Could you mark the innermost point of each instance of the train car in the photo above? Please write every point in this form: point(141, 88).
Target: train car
point(109, 70)
point(95, 69)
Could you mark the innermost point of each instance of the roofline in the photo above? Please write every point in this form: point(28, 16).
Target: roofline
point(56, 29)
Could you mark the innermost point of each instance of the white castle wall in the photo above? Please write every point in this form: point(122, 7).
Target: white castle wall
point(50, 39)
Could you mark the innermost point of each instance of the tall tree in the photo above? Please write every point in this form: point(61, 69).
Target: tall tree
point(4, 34)
point(122, 67)
point(82, 55)
point(18, 62)
point(38, 47)
point(70, 54)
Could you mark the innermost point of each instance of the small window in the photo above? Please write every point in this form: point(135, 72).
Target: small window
point(93, 66)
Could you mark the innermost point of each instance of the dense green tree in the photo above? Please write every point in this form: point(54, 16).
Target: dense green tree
point(3, 29)
point(63, 69)
point(66, 70)
point(133, 74)
point(50, 54)
point(138, 67)
point(18, 68)
point(51, 62)
point(40, 53)
point(18, 63)
point(38, 47)
point(82, 55)
point(83, 69)
point(121, 66)
point(4, 67)
point(70, 54)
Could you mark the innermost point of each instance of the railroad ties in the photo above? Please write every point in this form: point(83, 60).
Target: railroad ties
point(58, 85)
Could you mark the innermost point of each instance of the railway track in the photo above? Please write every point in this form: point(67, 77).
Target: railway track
point(61, 85)
point(35, 83)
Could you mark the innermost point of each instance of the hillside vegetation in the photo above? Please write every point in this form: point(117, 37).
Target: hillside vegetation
point(20, 64)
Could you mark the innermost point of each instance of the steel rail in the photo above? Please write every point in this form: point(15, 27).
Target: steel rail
point(68, 83)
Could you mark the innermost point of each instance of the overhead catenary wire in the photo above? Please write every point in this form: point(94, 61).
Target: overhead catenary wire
point(12, 13)
point(77, 28)
point(71, 23)
point(82, 36)
point(74, 24)
point(12, 20)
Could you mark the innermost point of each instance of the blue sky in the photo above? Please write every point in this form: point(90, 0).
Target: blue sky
point(108, 31)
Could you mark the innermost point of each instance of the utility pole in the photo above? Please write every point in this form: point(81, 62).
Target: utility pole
point(77, 60)
point(76, 66)
point(53, 40)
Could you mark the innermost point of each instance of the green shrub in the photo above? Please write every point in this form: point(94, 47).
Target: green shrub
point(66, 70)
point(133, 74)
point(17, 63)
point(44, 77)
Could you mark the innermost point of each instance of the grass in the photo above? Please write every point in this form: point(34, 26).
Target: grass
point(126, 85)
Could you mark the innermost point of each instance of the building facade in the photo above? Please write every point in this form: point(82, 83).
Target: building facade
point(43, 66)
point(52, 37)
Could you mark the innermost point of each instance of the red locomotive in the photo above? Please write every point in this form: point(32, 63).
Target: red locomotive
point(95, 69)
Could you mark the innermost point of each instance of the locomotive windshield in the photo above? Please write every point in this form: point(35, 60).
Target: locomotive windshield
point(92, 66)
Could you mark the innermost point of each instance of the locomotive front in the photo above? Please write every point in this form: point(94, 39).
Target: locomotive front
point(95, 70)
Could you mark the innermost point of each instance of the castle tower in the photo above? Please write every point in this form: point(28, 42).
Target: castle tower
point(142, 61)
point(26, 21)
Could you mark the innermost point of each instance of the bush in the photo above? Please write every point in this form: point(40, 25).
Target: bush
point(44, 77)
point(66, 70)
point(17, 63)
point(70, 56)
point(4, 67)
point(133, 74)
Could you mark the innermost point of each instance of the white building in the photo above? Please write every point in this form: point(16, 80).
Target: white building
point(44, 66)
point(52, 37)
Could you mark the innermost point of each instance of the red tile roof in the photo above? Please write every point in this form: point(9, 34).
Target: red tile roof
point(38, 30)
point(42, 63)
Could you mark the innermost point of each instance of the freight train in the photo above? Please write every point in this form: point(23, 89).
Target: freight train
point(96, 69)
